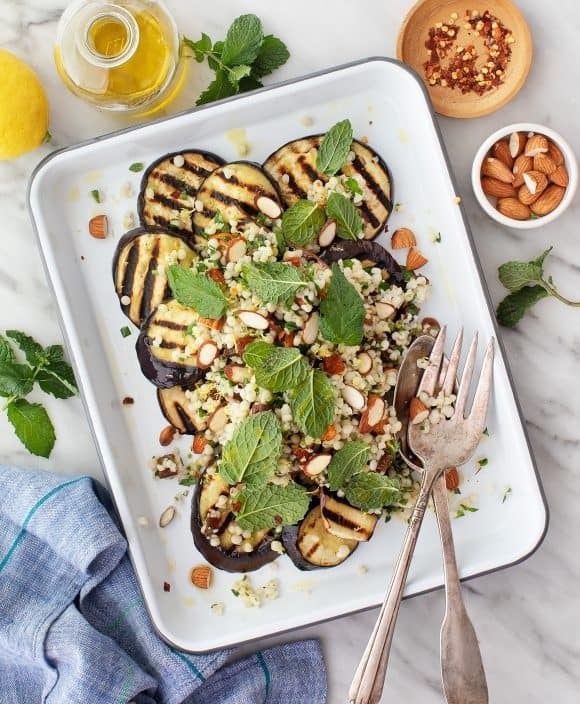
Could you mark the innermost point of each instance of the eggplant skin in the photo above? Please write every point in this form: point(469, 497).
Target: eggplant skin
point(217, 556)
point(363, 250)
point(173, 404)
point(293, 167)
point(161, 370)
point(233, 190)
point(135, 269)
point(174, 189)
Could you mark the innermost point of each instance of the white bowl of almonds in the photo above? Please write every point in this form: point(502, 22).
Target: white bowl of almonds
point(524, 175)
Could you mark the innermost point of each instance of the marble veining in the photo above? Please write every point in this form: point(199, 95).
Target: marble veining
point(528, 616)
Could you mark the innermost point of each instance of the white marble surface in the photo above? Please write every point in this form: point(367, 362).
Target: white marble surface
point(527, 617)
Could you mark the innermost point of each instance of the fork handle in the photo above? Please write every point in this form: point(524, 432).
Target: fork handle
point(368, 682)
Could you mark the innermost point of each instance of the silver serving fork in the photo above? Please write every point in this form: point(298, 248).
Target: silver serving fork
point(450, 443)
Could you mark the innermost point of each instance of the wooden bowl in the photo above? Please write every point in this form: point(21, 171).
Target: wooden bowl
point(451, 101)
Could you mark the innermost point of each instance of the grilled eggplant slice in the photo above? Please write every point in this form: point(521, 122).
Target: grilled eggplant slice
point(311, 547)
point(169, 188)
point(293, 168)
point(176, 409)
point(345, 521)
point(233, 190)
point(138, 269)
point(371, 252)
point(208, 519)
point(161, 346)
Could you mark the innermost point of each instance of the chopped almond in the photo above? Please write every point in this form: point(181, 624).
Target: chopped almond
point(403, 238)
point(334, 364)
point(330, 433)
point(199, 443)
point(452, 479)
point(418, 411)
point(99, 227)
point(213, 324)
point(415, 260)
point(217, 275)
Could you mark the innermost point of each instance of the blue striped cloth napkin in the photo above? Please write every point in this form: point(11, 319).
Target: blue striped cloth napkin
point(73, 626)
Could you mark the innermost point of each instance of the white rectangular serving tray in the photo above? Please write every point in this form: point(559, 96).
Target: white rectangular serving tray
point(387, 103)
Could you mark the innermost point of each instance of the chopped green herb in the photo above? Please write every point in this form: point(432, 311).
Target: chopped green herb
point(481, 463)
point(125, 331)
point(96, 194)
point(235, 592)
point(47, 138)
point(136, 167)
point(353, 186)
point(436, 237)
point(485, 432)
point(506, 492)
point(463, 508)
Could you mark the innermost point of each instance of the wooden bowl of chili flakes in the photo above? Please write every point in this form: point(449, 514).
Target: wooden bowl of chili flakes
point(472, 60)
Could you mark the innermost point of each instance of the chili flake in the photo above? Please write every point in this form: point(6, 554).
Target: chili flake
point(473, 58)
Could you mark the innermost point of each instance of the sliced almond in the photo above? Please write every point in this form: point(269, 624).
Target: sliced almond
point(237, 373)
point(560, 176)
point(548, 201)
point(418, 411)
point(415, 260)
point(353, 397)
point(166, 435)
point(201, 576)
point(317, 464)
point(517, 142)
point(253, 320)
point(268, 207)
point(167, 516)
point(513, 208)
point(327, 233)
point(544, 163)
point(206, 354)
point(99, 227)
point(310, 332)
point(522, 164)
point(403, 238)
point(494, 168)
point(536, 144)
point(218, 420)
point(236, 249)
point(555, 153)
point(376, 410)
point(385, 311)
point(497, 189)
point(501, 150)
point(365, 363)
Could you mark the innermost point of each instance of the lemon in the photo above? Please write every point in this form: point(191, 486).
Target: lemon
point(23, 107)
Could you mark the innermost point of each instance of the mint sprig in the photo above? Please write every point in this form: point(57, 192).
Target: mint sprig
point(334, 148)
point(197, 291)
point(527, 285)
point(312, 403)
point(239, 61)
point(342, 311)
point(349, 224)
point(45, 366)
point(268, 506)
point(274, 282)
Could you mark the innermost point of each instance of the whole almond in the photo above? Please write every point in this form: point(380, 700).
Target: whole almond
point(535, 183)
point(201, 576)
point(494, 168)
point(497, 189)
point(166, 435)
point(543, 163)
point(513, 208)
point(99, 227)
point(501, 151)
point(560, 176)
point(521, 165)
point(536, 144)
point(548, 201)
point(517, 142)
point(555, 154)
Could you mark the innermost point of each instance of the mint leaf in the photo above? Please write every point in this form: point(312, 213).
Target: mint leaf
point(274, 282)
point(312, 403)
point(271, 505)
point(276, 369)
point(334, 149)
point(214, 59)
point(273, 54)
point(6, 351)
point(369, 490)
point(136, 167)
point(54, 353)
point(251, 456)
point(33, 427)
point(515, 275)
point(342, 311)
point(349, 224)
point(243, 41)
point(219, 88)
point(200, 48)
point(57, 379)
point(197, 291)
point(15, 379)
point(349, 460)
point(33, 352)
point(353, 186)
point(246, 84)
point(302, 222)
point(236, 74)
point(515, 305)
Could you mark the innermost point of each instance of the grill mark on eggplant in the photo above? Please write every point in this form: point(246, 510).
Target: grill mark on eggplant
point(166, 224)
point(169, 324)
point(308, 171)
point(185, 419)
point(194, 169)
point(149, 282)
point(312, 550)
point(342, 521)
point(292, 185)
point(168, 345)
point(371, 183)
point(129, 274)
point(248, 208)
point(162, 199)
point(178, 184)
point(368, 215)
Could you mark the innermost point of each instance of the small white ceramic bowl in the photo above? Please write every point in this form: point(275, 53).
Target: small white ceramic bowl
point(488, 204)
